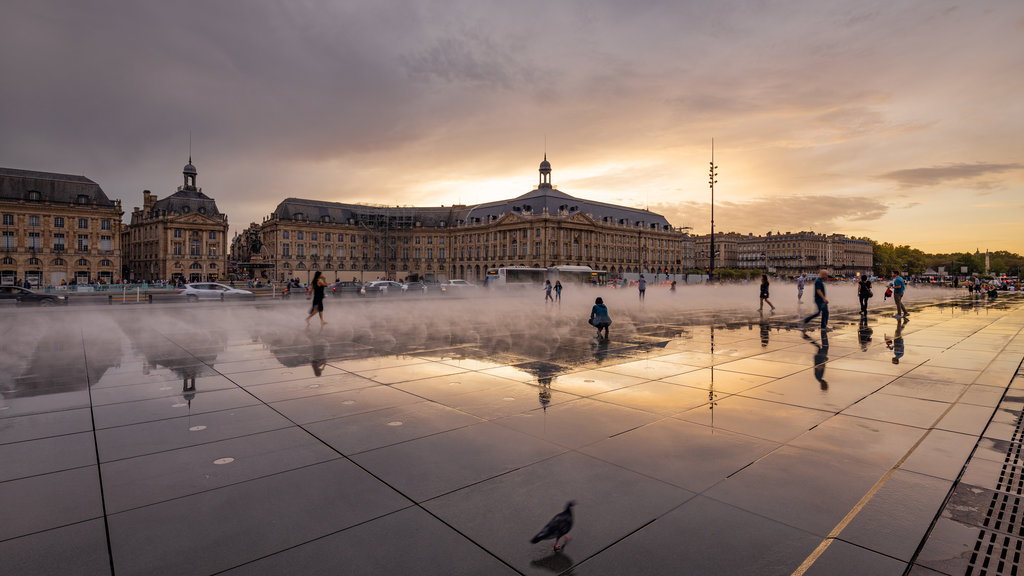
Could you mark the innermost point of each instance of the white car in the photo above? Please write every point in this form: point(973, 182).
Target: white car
point(381, 288)
point(456, 285)
point(211, 291)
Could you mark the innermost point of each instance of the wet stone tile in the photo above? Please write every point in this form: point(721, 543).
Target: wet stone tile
point(75, 549)
point(53, 454)
point(49, 501)
point(772, 421)
point(578, 422)
point(843, 559)
point(44, 425)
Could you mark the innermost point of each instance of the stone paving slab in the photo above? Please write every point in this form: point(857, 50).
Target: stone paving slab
point(211, 440)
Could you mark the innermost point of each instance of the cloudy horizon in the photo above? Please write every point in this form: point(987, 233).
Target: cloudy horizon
point(899, 121)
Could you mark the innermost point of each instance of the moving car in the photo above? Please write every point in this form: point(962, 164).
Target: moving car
point(457, 284)
point(211, 291)
point(19, 296)
point(414, 288)
point(381, 288)
point(345, 288)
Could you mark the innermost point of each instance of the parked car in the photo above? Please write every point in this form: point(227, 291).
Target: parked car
point(211, 291)
point(381, 288)
point(19, 296)
point(345, 288)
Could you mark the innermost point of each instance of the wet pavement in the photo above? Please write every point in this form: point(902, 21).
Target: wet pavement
point(395, 440)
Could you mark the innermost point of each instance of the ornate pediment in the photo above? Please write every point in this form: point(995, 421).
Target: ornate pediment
point(195, 218)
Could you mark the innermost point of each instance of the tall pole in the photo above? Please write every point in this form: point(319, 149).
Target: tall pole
point(712, 175)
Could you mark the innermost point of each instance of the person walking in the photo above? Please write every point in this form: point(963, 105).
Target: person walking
point(820, 301)
point(764, 293)
point(863, 293)
point(898, 286)
point(547, 291)
point(799, 288)
point(558, 291)
point(599, 317)
point(318, 284)
point(642, 286)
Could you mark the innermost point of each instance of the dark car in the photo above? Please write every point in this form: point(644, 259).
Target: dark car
point(23, 296)
point(415, 288)
point(345, 288)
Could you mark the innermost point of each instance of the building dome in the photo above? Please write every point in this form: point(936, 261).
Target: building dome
point(545, 165)
point(189, 169)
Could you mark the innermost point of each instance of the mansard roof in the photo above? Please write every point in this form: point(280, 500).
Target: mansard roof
point(555, 202)
point(52, 187)
point(188, 200)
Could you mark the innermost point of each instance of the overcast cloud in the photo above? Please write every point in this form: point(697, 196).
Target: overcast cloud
point(879, 118)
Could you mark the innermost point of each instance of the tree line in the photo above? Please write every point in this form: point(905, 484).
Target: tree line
point(890, 258)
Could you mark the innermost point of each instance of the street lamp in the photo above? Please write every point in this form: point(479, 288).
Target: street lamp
point(712, 179)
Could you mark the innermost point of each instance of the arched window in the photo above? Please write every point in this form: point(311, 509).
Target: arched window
point(105, 263)
point(58, 262)
point(33, 262)
point(213, 265)
point(325, 219)
point(82, 262)
point(202, 209)
point(301, 266)
point(34, 196)
point(8, 260)
point(185, 209)
point(196, 266)
point(287, 265)
point(82, 199)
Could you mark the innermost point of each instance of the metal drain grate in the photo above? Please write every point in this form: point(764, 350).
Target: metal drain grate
point(999, 546)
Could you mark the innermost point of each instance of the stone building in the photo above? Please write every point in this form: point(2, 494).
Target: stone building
point(180, 238)
point(795, 253)
point(57, 228)
point(542, 228)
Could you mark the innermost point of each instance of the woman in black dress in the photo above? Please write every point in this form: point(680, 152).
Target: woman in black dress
point(318, 284)
point(764, 293)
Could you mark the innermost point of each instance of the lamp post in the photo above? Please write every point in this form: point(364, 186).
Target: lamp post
point(712, 175)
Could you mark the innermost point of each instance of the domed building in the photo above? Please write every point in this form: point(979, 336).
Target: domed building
point(542, 228)
point(182, 237)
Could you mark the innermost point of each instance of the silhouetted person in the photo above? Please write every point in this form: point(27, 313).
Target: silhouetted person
point(318, 284)
point(599, 317)
point(863, 293)
point(820, 301)
point(764, 293)
point(547, 292)
point(642, 287)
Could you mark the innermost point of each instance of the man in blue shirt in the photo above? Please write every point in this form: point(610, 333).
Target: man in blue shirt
point(820, 301)
point(898, 286)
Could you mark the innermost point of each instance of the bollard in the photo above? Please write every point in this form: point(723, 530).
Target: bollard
point(110, 299)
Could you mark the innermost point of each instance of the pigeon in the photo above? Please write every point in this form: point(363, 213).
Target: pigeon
point(558, 526)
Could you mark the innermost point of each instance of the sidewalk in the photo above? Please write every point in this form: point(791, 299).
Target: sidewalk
point(211, 441)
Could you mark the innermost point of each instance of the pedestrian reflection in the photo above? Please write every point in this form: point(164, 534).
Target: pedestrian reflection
point(820, 358)
point(188, 389)
point(864, 333)
point(600, 349)
point(318, 356)
point(544, 395)
point(896, 342)
point(766, 328)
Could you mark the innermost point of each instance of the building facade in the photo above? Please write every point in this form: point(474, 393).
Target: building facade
point(795, 253)
point(181, 238)
point(542, 228)
point(57, 229)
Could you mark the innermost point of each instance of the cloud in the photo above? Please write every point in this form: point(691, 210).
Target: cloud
point(782, 214)
point(948, 173)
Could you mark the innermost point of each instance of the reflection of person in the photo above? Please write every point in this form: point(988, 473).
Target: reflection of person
point(318, 357)
point(766, 330)
point(820, 358)
point(864, 333)
point(764, 293)
point(318, 286)
point(601, 350)
point(896, 344)
point(599, 317)
point(820, 301)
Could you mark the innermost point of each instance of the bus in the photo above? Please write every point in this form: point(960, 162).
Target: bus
point(516, 276)
point(578, 275)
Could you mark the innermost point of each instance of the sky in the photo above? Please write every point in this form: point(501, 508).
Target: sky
point(898, 120)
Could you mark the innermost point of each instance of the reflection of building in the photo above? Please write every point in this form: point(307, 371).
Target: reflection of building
point(183, 236)
point(542, 228)
point(57, 227)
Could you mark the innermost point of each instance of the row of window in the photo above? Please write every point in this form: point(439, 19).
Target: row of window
point(35, 221)
point(8, 241)
point(8, 261)
point(585, 236)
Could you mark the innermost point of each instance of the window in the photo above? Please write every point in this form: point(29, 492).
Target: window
point(58, 222)
point(33, 240)
point(286, 250)
point(83, 223)
point(312, 236)
point(8, 219)
point(177, 248)
point(284, 235)
point(33, 221)
point(211, 251)
point(177, 233)
point(194, 248)
point(83, 242)
point(327, 237)
point(352, 238)
point(82, 262)
point(300, 249)
point(416, 253)
point(213, 234)
point(105, 263)
point(34, 196)
point(405, 253)
point(301, 236)
point(83, 199)
point(430, 253)
point(430, 240)
point(58, 242)
point(8, 240)
point(105, 243)
point(104, 224)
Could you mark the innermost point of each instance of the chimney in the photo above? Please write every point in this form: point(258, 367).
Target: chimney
point(148, 199)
